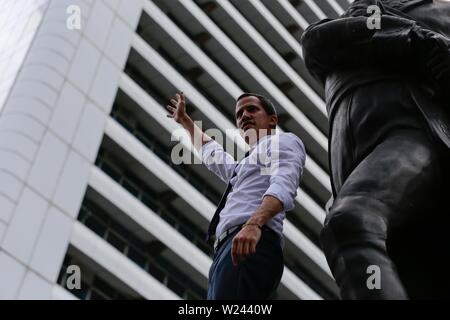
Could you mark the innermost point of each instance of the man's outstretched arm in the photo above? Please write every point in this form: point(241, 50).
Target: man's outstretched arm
point(177, 111)
point(213, 155)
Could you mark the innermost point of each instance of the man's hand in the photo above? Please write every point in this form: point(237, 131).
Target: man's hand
point(244, 243)
point(177, 109)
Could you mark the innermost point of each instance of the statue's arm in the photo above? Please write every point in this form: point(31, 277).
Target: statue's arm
point(348, 42)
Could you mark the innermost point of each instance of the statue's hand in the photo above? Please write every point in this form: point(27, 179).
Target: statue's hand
point(439, 66)
point(433, 51)
point(425, 42)
point(439, 69)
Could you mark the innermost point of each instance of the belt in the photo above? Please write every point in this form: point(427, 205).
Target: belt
point(220, 239)
point(224, 235)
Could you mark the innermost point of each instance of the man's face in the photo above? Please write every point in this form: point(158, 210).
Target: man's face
point(252, 119)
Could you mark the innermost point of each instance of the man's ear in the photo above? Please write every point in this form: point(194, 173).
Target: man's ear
point(273, 120)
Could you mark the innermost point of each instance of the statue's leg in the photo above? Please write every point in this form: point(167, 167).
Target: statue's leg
point(393, 182)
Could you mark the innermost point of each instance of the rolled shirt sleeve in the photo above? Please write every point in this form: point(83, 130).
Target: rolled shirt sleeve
point(287, 163)
point(217, 160)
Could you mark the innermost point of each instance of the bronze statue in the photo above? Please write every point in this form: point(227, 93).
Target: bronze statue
point(385, 66)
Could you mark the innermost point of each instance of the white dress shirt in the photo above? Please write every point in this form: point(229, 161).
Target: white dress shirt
point(274, 167)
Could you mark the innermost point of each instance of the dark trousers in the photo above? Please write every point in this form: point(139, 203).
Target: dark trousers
point(391, 185)
point(255, 278)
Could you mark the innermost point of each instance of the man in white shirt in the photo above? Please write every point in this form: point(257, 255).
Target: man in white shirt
point(248, 224)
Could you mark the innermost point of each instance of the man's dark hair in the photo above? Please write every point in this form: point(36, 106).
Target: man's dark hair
point(265, 102)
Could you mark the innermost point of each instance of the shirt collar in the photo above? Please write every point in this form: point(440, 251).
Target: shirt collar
point(253, 146)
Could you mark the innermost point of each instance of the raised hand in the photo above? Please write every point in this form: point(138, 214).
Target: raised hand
point(177, 111)
point(177, 108)
point(433, 52)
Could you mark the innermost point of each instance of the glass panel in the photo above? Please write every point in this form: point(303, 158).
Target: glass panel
point(119, 229)
point(130, 187)
point(102, 288)
point(137, 257)
point(156, 272)
point(175, 287)
point(148, 201)
point(110, 171)
point(95, 225)
point(84, 213)
point(116, 241)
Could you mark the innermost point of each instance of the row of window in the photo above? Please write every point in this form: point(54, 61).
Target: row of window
point(143, 192)
point(146, 255)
